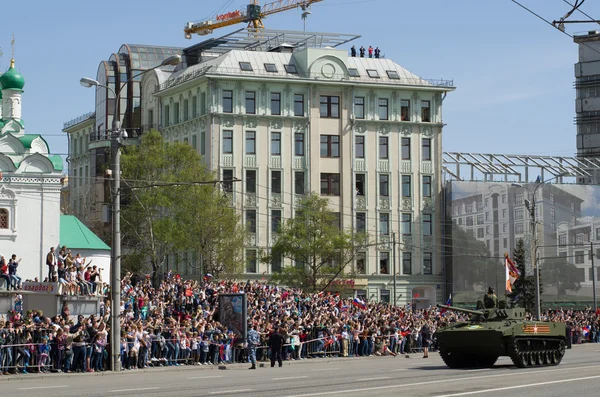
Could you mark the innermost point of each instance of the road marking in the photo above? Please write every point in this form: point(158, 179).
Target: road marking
point(230, 391)
point(291, 377)
point(128, 390)
point(399, 369)
point(520, 386)
point(372, 379)
point(325, 369)
point(205, 377)
point(433, 382)
point(42, 387)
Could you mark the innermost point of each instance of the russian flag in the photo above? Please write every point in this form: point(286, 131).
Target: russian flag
point(359, 303)
point(586, 330)
point(448, 303)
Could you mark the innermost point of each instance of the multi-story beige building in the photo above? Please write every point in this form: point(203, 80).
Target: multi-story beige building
point(287, 118)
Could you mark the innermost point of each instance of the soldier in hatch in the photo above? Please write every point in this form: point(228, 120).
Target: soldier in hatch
point(490, 300)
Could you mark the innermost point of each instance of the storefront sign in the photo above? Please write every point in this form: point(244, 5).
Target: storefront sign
point(41, 288)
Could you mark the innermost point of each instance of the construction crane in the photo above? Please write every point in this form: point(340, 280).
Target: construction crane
point(253, 16)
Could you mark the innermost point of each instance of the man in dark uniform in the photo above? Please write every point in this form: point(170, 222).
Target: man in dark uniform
point(276, 341)
point(490, 300)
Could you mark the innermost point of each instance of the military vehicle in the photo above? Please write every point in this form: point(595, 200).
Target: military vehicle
point(491, 333)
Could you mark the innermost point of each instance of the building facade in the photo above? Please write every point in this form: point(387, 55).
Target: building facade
point(29, 185)
point(288, 120)
point(587, 104)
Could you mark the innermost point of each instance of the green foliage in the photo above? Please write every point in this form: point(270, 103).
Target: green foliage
point(523, 291)
point(320, 250)
point(561, 274)
point(172, 205)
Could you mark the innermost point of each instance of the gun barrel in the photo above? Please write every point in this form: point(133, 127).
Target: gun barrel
point(458, 309)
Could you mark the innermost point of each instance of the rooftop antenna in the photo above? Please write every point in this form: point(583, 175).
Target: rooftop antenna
point(305, 13)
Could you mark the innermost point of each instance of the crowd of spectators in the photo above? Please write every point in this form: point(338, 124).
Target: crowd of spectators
point(177, 323)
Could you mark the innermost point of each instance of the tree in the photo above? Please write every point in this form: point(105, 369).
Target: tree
point(172, 204)
point(320, 249)
point(560, 274)
point(523, 290)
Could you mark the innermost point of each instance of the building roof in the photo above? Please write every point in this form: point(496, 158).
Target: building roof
point(75, 235)
point(364, 70)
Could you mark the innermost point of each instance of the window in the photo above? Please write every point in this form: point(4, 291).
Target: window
point(425, 111)
point(228, 180)
point(519, 229)
point(503, 212)
point(359, 147)
point(519, 213)
point(406, 263)
point(270, 67)
point(373, 73)
point(203, 103)
point(503, 198)
point(276, 182)
point(353, 72)
point(597, 233)
point(251, 261)
point(469, 208)
point(427, 226)
point(291, 69)
point(276, 264)
point(227, 142)
point(250, 142)
point(194, 106)
point(406, 224)
point(427, 263)
point(504, 227)
point(519, 199)
point(383, 147)
point(405, 142)
point(562, 240)
point(186, 110)
point(359, 107)
point(361, 263)
point(469, 221)
point(251, 181)
point(246, 66)
point(4, 220)
point(251, 221)
point(330, 184)
point(330, 146)
point(167, 115)
point(480, 233)
point(480, 219)
point(552, 198)
point(361, 221)
point(330, 107)
point(298, 105)
point(299, 182)
point(405, 110)
point(195, 142)
point(275, 220)
point(384, 185)
point(383, 109)
point(406, 186)
point(504, 242)
point(227, 101)
point(579, 257)
point(384, 263)
point(275, 103)
point(426, 186)
point(275, 143)
point(392, 74)
point(552, 213)
point(299, 144)
point(426, 149)
point(361, 184)
point(250, 102)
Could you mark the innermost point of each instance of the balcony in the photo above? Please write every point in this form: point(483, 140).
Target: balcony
point(250, 161)
point(360, 165)
point(383, 166)
point(227, 160)
point(299, 163)
point(405, 167)
point(427, 167)
point(275, 162)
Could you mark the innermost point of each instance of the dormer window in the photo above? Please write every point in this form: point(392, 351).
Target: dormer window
point(353, 73)
point(246, 66)
point(373, 73)
point(270, 67)
point(392, 74)
point(291, 69)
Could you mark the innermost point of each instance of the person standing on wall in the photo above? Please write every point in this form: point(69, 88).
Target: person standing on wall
point(51, 263)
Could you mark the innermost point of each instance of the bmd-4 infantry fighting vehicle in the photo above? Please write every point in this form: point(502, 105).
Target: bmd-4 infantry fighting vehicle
point(491, 333)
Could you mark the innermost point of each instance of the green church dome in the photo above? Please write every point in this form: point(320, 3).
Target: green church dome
point(12, 80)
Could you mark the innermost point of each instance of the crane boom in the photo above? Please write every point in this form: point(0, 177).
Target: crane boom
point(253, 16)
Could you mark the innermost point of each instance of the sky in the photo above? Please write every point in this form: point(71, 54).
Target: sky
point(513, 73)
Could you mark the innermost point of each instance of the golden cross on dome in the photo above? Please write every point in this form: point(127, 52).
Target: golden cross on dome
point(12, 43)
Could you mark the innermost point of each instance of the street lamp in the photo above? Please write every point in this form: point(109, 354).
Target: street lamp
point(116, 138)
point(530, 205)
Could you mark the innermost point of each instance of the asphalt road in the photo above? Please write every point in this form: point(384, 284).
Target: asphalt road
point(578, 374)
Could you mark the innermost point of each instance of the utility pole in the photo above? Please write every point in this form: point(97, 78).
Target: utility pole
point(394, 263)
point(593, 275)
